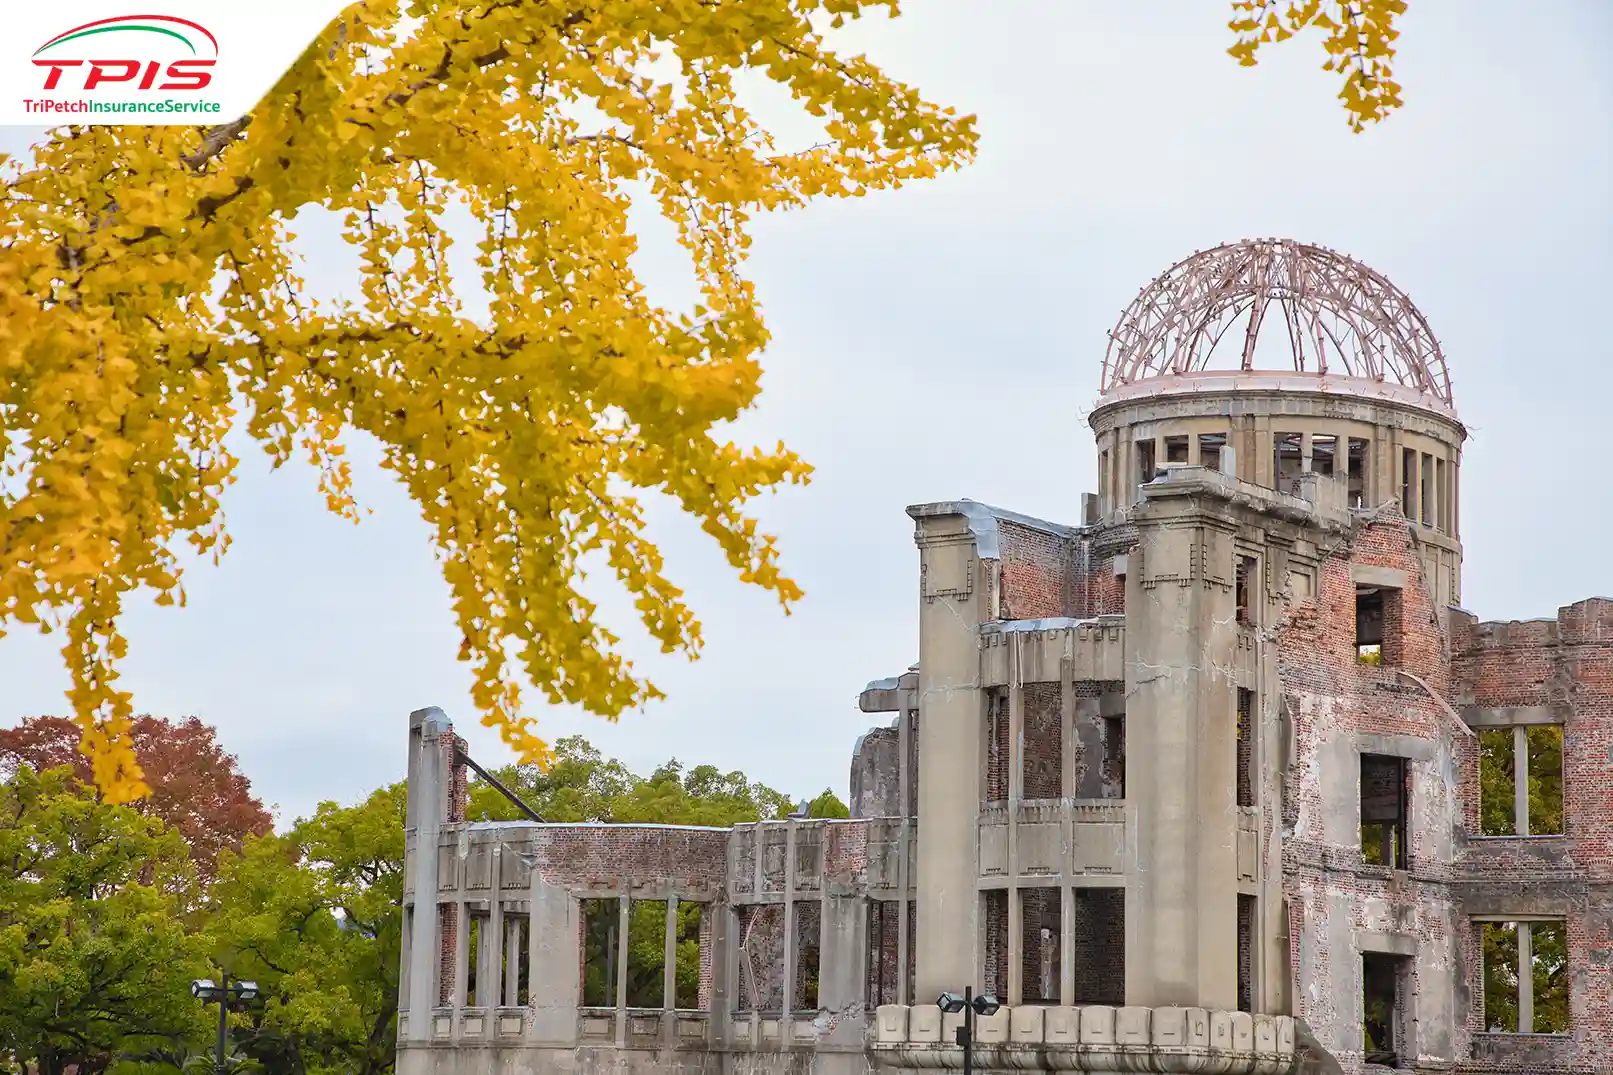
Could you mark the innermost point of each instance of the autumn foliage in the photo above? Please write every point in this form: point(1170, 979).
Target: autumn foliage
point(197, 788)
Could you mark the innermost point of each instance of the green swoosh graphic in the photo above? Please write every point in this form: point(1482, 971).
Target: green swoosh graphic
point(114, 29)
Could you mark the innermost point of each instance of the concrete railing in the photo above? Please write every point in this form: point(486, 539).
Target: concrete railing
point(1093, 1038)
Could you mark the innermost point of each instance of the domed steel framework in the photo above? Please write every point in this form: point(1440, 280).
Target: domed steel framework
point(1341, 317)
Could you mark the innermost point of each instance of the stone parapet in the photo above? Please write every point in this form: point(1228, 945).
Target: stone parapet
point(1094, 1038)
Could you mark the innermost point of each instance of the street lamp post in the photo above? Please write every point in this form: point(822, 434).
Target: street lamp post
point(204, 990)
point(971, 1006)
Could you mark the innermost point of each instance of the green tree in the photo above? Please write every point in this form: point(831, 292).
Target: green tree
point(828, 805)
point(96, 958)
point(314, 917)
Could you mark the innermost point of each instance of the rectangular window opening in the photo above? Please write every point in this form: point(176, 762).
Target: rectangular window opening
point(1243, 590)
point(1114, 757)
point(1103, 479)
point(1442, 500)
point(1521, 780)
point(761, 958)
point(1546, 780)
point(519, 963)
point(884, 951)
point(1287, 461)
point(994, 942)
point(808, 928)
point(645, 952)
point(1369, 626)
point(691, 956)
point(600, 920)
point(1324, 454)
point(1498, 782)
point(1210, 449)
point(1041, 933)
point(1426, 487)
point(1408, 470)
point(1525, 1003)
point(1176, 449)
point(1246, 748)
point(1358, 473)
point(475, 937)
point(1381, 1014)
point(1246, 953)
point(1384, 811)
point(1145, 461)
point(997, 752)
point(1100, 946)
point(1042, 767)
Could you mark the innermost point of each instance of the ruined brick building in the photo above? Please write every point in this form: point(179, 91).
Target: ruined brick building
point(1221, 778)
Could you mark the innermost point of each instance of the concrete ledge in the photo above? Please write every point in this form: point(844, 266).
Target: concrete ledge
point(1396, 746)
point(1394, 944)
point(1095, 1038)
point(1510, 716)
point(1388, 578)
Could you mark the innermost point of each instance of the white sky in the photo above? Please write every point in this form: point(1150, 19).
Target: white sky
point(944, 341)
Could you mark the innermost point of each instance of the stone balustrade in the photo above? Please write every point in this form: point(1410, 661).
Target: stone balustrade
point(1092, 1038)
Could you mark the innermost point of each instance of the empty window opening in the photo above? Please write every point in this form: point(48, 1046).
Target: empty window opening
point(1099, 954)
point(1103, 478)
point(645, 952)
point(1043, 768)
point(1287, 462)
point(808, 928)
point(994, 942)
point(690, 956)
point(1145, 461)
point(1243, 591)
point(475, 961)
point(1176, 449)
point(884, 951)
point(600, 952)
point(911, 970)
point(1246, 748)
point(997, 753)
point(1357, 475)
point(1426, 488)
point(1040, 936)
point(1246, 953)
point(1521, 780)
point(761, 957)
point(1382, 1013)
point(1210, 448)
point(447, 927)
point(1383, 811)
point(1535, 1002)
point(1114, 757)
point(1443, 499)
point(517, 964)
point(1369, 626)
point(1408, 488)
point(1324, 454)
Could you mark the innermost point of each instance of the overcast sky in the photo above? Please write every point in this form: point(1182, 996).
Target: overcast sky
point(944, 341)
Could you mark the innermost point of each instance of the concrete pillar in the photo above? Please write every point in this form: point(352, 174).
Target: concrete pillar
point(425, 811)
point(1526, 979)
point(554, 961)
point(724, 959)
point(842, 967)
point(512, 963)
point(1016, 796)
point(669, 975)
point(490, 936)
point(954, 574)
point(1181, 900)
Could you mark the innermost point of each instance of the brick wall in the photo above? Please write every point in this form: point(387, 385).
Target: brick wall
point(884, 957)
point(997, 753)
point(1040, 936)
point(1039, 572)
point(1100, 946)
point(1565, 663)
point(1044, 741)
point(761, 940)
point(994, 941)
point(580, 856)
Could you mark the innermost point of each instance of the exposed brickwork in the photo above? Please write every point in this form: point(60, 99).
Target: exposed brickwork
point(994, 941)
point(1100, 946)
point(1566, 664)
point(1044, 741)
point(708, 937)
point(884, 951)
point(997, 752)
point(1040, 936)
point(761, 958)
point(580, 856)
point(808, 916)
point(1039, 572)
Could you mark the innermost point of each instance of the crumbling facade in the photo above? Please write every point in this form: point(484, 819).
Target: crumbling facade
point(1220, 779)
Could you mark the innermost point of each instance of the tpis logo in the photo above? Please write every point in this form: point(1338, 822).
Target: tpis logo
point(71, 58)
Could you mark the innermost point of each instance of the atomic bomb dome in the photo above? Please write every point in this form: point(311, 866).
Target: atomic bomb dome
point(1335, 317)
point(1190, 785)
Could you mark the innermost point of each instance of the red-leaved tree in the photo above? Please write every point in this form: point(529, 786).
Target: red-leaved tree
point(196, 787)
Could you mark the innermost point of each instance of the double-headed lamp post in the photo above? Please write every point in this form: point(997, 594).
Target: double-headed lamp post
point(205, 991)
point(971, 1006)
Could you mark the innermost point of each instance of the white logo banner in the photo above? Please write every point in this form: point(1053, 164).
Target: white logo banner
point(143, 63)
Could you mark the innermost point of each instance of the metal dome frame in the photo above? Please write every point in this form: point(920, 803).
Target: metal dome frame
point(1342, 318)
